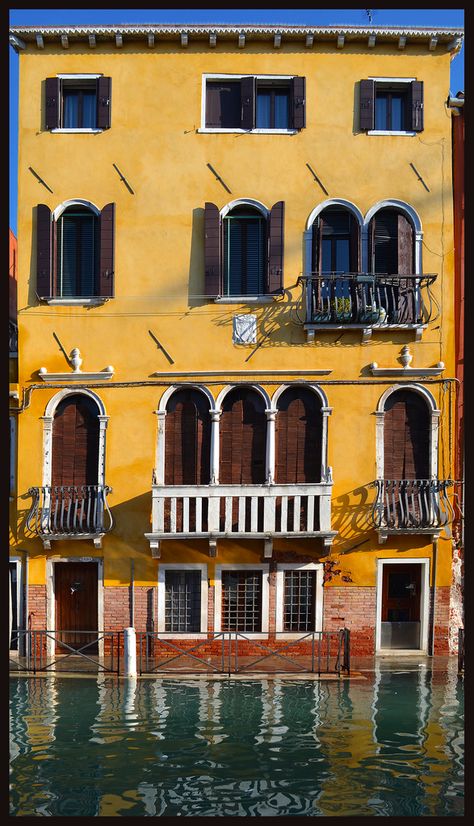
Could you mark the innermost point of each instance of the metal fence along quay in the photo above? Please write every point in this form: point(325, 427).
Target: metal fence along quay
point(225, 652)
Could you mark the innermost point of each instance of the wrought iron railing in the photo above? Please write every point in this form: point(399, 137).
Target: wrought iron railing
point(369, 299)
point(69, 510)
point(410, 504)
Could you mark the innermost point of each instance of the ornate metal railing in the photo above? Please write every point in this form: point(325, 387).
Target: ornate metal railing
point(369, 299)
point(69, 511)
point(411, 504)
point(241, 510)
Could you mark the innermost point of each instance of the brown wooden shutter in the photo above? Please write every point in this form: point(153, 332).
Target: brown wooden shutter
point(247, 92)
point(75, 442)
point(212, 258)
point(104, 102)
point(367, 104)
point(43, 251)
point(416, 105)
point(406, 287)
point(298, 102)
point(106, 258)
point(406, 436)
point(52, 103)
point(298, 437)
point(187, 439)
point(275, 248)
point(242, 438)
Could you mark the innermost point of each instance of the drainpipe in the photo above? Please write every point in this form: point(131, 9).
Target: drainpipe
point(435, 562)
point(455, 102)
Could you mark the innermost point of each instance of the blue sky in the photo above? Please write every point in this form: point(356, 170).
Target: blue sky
point(449, 18)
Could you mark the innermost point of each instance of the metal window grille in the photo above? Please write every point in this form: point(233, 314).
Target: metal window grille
point(242, 601)
point(183, 601)
point(299, 601)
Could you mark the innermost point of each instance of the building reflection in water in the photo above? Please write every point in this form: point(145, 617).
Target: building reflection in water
point(387, 745)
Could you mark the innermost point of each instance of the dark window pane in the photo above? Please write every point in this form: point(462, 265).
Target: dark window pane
point(77, 254)
point(326, 263)
point(70, 109)
point(89, 110)
point(182, 601)
point(299, 601)
point(381, 104)
point(397, 123)
point(263, 120)
point(242, 601)
point(342, 255)
point(244, 246)
point(281, 109)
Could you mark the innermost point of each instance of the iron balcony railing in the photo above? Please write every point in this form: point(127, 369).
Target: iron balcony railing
point(201, 511)
point(412, 504)
point(369, 299)
point(69, 511)
point(12, 338)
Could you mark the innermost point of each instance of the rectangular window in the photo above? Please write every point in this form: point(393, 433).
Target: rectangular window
point(273, 107)
point(77, 253)
point(79, 106)
point(253, 103)
point(182, 601)
point(390, 109)
point(299, 603)
point(242, 601)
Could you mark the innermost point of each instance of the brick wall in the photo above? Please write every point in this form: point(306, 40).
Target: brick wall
point(37, 606)
point(352, 608)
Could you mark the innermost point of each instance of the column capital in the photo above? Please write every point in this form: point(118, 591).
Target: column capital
point(215, 414)
point(160, 413)
point(271, 412)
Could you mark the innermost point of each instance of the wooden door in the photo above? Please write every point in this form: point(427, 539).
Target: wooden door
point(76, 592)
point(401, 593)
point(75, 442)
point(406, 436)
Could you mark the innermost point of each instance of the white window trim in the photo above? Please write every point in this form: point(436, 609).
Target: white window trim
point(424, 603)
point(75, 131)
point(190, 566)
point(387, 81)
point(207, 129)
point(79, 76)
point(245, 299)
point(390, 132)
point(19, 598)
point(280, 594)
point(265, 596)
point(51, 599)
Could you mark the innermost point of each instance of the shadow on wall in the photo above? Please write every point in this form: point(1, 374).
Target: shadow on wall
point(351, 517)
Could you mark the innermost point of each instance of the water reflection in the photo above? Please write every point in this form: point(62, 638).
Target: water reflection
point(389, 745)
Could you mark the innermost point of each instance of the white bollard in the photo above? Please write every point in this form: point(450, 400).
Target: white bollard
point(129, 652)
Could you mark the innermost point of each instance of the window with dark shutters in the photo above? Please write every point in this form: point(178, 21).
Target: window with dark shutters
point(188, 439)
point(392, 252)
point(242, 438)
point(212, 256)
point(275, 248)
point(298, 437)
point(78, 250)
point(245, 259)
point(254, 102)
point(391, 106)
point(78, 103)
point(75, 455)
point(406, 436)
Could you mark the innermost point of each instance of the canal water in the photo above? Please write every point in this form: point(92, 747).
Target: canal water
point(390, 745)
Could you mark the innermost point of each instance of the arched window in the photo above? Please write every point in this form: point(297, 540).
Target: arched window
point(75, 251)
point(406, 436)
point(298, 437)
point(188, 438)
point(242, 438)
point(392, 253)
point(243, 249)
point(75, 454)
point(335, 254)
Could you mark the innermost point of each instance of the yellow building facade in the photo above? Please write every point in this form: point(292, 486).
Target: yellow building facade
point(236, 341)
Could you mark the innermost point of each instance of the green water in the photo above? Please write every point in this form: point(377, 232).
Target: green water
point(390, 745)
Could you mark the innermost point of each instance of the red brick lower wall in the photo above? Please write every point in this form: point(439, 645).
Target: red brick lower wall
point(351, 607)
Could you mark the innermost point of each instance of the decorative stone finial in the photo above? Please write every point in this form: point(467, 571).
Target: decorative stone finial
point(75, 359)
point(406, 357)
